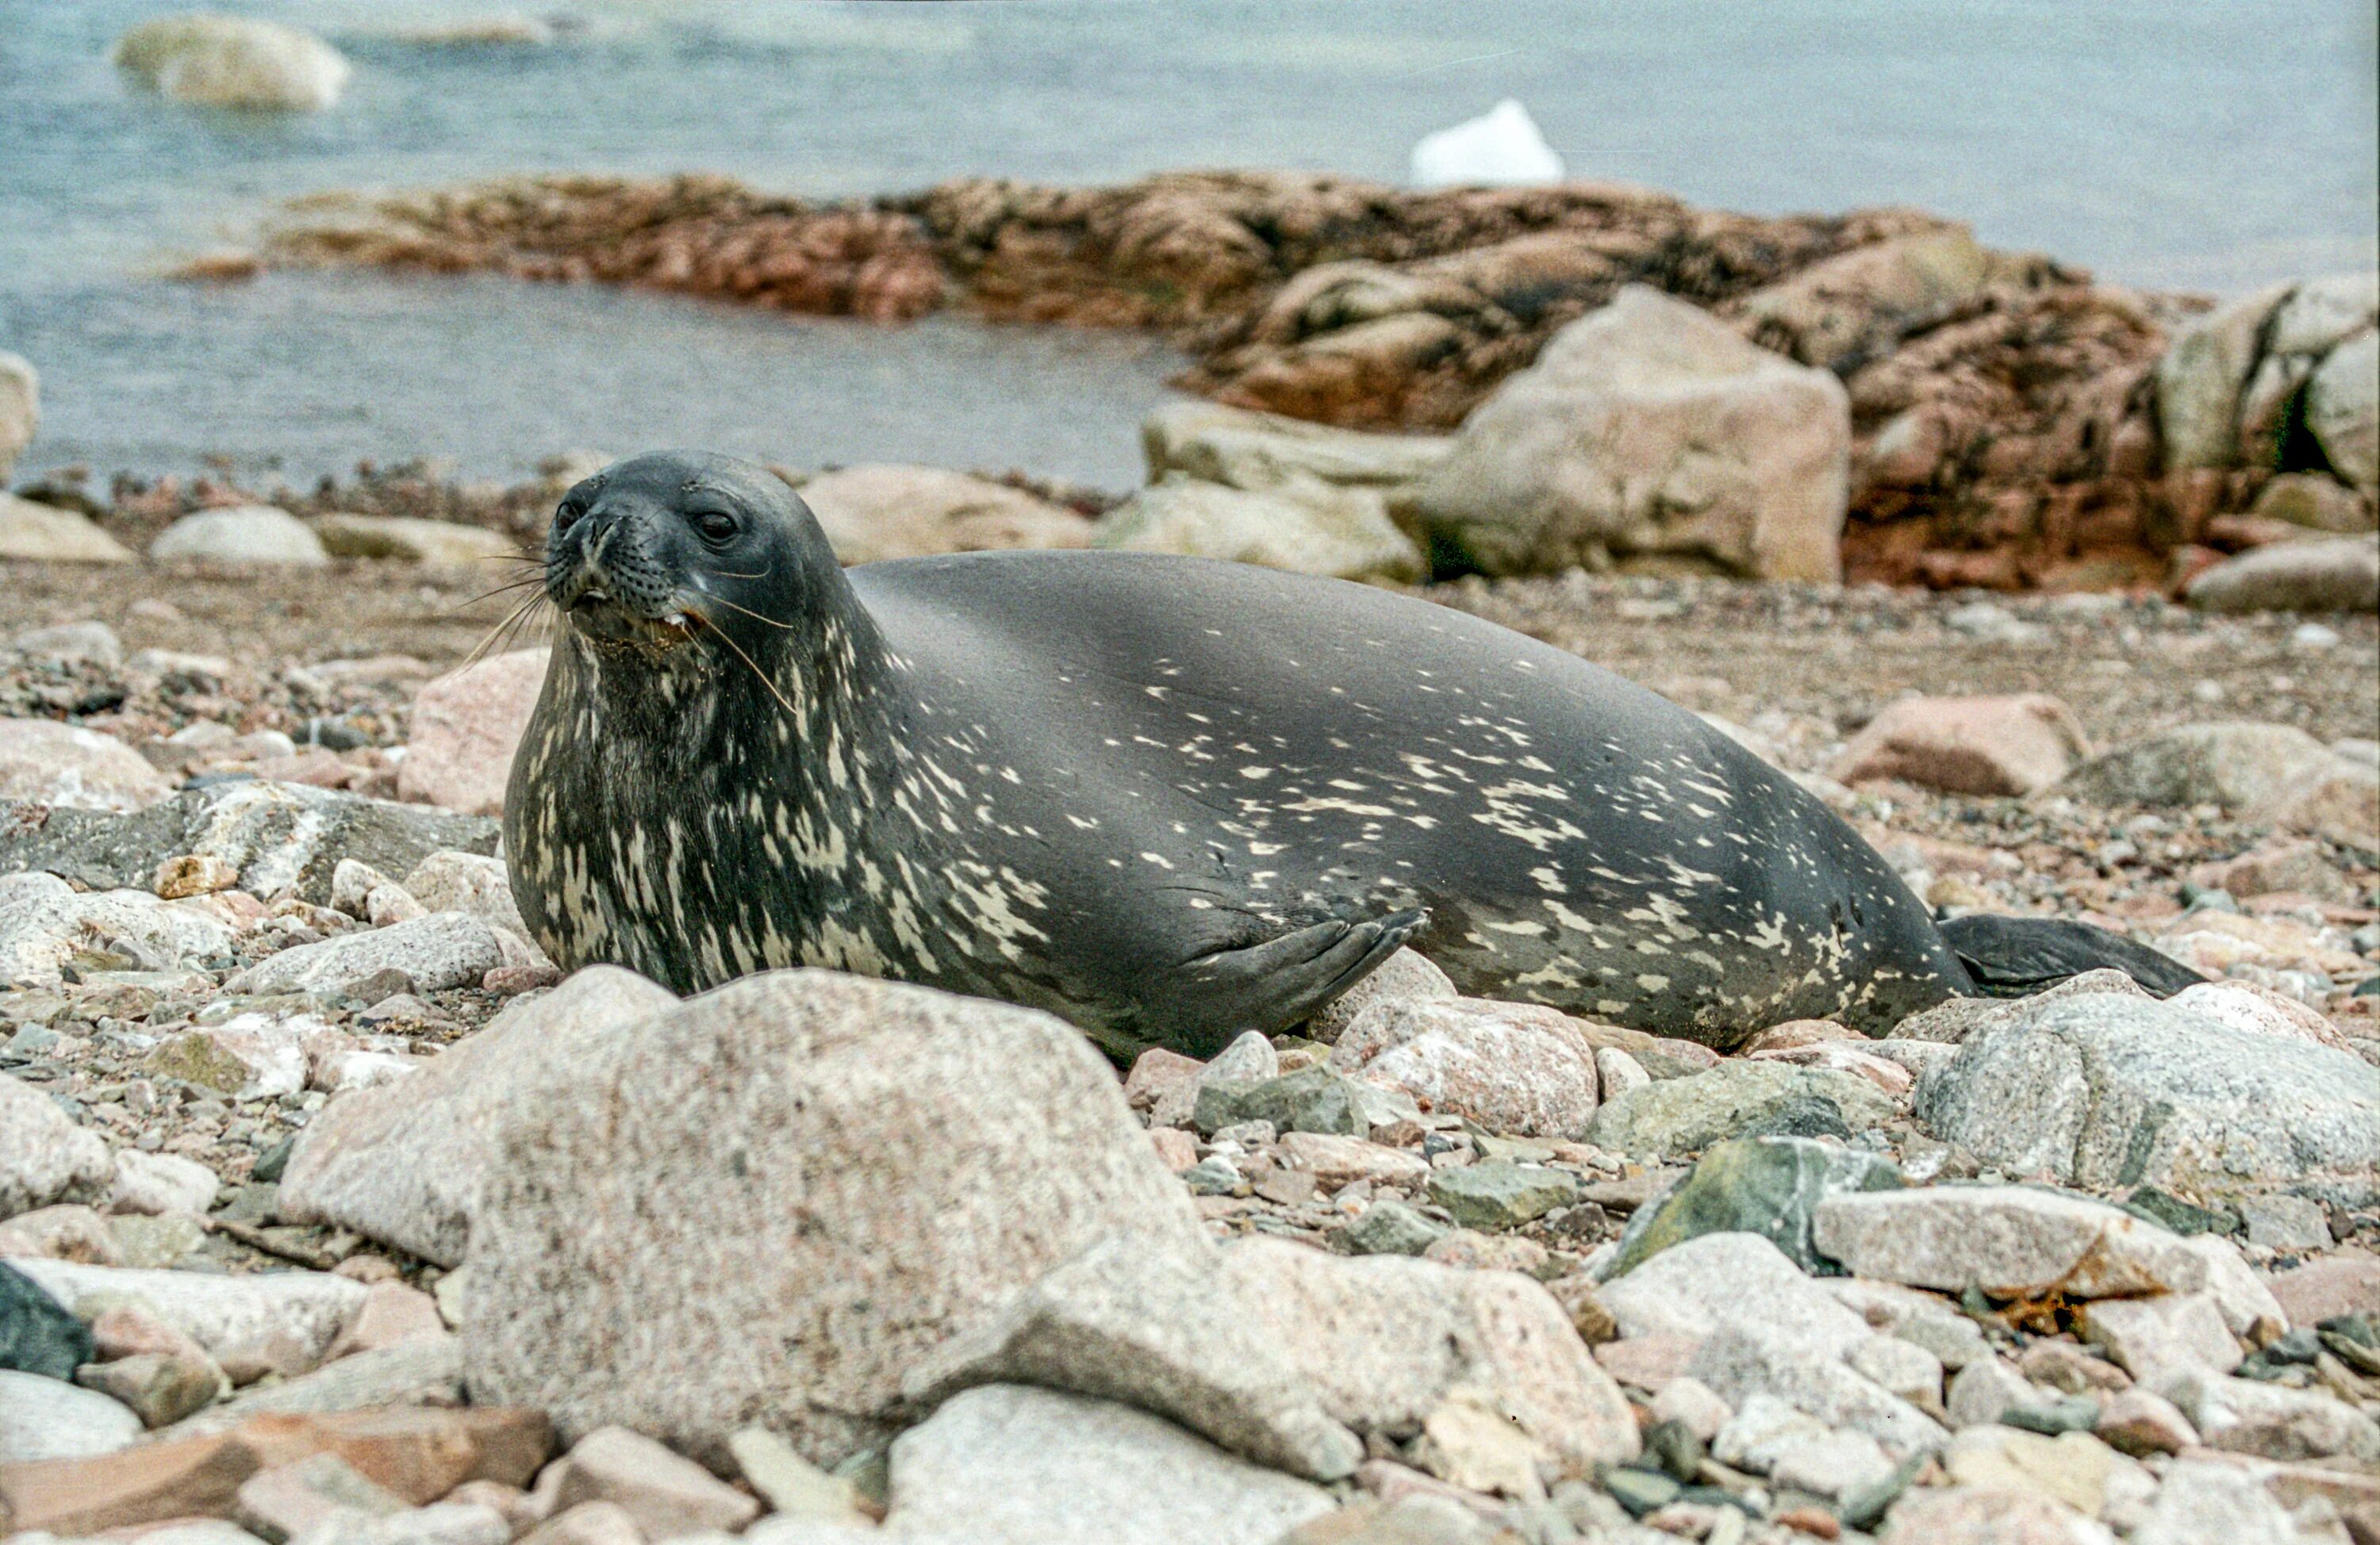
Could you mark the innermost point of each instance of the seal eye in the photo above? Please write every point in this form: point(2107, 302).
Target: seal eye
point(714, 526)
point(566, 516)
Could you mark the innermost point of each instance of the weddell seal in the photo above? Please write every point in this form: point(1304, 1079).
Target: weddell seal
point(1169, 799)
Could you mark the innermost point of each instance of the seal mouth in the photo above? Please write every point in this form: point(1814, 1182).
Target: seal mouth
point(603, 620)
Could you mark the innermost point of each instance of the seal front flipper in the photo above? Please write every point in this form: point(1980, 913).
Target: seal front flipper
point(1268, 985)
point(2013, 957)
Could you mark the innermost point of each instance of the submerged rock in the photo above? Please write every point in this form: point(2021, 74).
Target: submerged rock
point(229, 61)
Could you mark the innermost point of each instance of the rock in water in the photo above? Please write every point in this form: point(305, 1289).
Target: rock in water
point(226, 60)
point(842, 1171)
point(1650, 428)
point(1005, 1464)
point(1501, 148)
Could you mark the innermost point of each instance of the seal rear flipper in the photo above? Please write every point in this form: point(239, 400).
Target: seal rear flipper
point(2012, 957)
point(1201, 1004)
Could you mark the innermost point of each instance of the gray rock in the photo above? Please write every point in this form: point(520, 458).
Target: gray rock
point(1649, 427)
point(1920, 1318)
point(402, 1162)
point(93, 642)
point(2108, 1092)
point(441, 950)
point(424, 1372)
point(244, 535)
point(1007, 1465)
point(2152, 1338)
point(1988, 1390)
point(1403, 977)
point(1739, 1100)
point(1695, 1288)
point(2249, 1310)
point(1304, 525)
point(2328, 573)
point(1259, 450)
point(46, 534)
point(46, 763)
point(45, 1158)
point(278, 836)
point(1494, 1194)
point(2343, 411)
point(49, 1419)
point(1949, 1023)
point(37, 1334)
point(1389, 1341)
point(857, 1172)
point(2286, 1222)
point(2202, 1501)
point(1310, 1099)
point(303, 1310)
point(1158, 1331)
point(879, 510)
point(479, 884)
point(1514, 1069)
point(1743, 1359)
point(1769, 1186)
point(2202, 374)
point(2237, 765)
point(449, 544)
point(40, 934)
point(1388, 1228)
point(2011, 1241)
point(2271, 1421)
point(1769, 1437)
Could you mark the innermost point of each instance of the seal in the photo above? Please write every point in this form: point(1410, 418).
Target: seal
point(1171, 800)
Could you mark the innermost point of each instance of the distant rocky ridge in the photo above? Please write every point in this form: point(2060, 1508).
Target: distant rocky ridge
point(2012, 424)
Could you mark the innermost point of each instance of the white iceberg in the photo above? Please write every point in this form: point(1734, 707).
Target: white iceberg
point(1503, 147)
point(228, 61)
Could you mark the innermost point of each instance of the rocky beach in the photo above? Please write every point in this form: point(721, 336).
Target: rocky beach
point(334, 1212)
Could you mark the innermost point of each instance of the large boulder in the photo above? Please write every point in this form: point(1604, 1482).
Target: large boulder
point(466, 724)
point(402, 1161)
point(2342, 412)
point(2202, 374)
point(2330, 573)
point(20, 408)
point(245, 535)
point(1833, 314)
point(275, 836)
point(879, 511)
point(767, 1204)
point(1650, 428)
point(2239, 765)
point(1302, 524)
point(1968, 745)
point(1259, 450)
point(2107, 1090)
point(229, 61)
point(44, 762)
point(32, 533)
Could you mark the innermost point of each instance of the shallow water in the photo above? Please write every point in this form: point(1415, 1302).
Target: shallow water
point(2210, 146)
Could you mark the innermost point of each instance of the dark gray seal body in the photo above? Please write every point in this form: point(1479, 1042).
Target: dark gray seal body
point(1169, 799)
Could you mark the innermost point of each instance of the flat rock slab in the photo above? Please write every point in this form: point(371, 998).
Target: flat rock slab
point(441, 950)
point(1007, 1465)
point(1739, 1099)
point(277, 835)
point(2106, 1090)
point(307, 1309)
point(2011, 1241)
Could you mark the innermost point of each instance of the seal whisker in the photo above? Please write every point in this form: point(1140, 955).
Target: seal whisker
point(758, 674)
point(749, 612)
point(502, 632)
